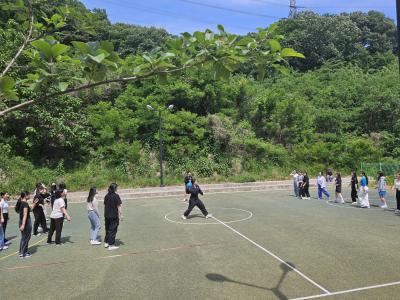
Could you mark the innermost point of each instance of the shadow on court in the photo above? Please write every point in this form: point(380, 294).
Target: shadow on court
point(66, 239)
point(276, 289)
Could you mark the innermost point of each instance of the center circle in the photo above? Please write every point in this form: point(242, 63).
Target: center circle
point(242, 215)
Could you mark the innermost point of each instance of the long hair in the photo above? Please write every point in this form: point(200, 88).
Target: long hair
point(18, 204)
point(338, 176)
point(92, 193)
point(380, 174)
point(365, 175)
point(113, 188)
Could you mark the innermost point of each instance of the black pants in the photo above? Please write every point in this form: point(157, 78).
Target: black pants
point(192, 204)
point(354, 195)
point(305, 191)
point(398, 199)
point(57, 226)
point(5, 217)
point(40, 219)
point(111, 226)
point(25, 237)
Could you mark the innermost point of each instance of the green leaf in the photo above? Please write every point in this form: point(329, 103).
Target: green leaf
point(63, 86)
point(44, 48)
point(58, 49)
point(98, 58)
point(275, 45)
point(245, 41)
point(82, 47)
point(221, 28)
point(289, 52)
point(6, 84)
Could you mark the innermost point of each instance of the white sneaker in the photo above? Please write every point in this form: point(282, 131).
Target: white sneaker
point(384, 206)
point(396, 211)
point(365, 206)
point(209, 216)
point(4, 248)
point(105, 245)
point(184, 217)
point(94, 242)
point(113, 247)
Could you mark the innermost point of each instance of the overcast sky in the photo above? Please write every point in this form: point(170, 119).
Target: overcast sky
point(238, 16)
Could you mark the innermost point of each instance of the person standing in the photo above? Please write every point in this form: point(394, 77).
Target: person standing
point(57, 218)
point(300, 183)
point(396, 186)
point(363, 198)
point(306, 186)
point(382, 189)
point(321, 182)
point(62, 186)
point(295, 176)
point(354, 188)
point(38, 205)
point(94, 216)
point(195, 201)
point(25, 224)
point(2, 243)
point(188, 183)
point(53, 190)
point(338, 188)
point(4, 206)
point(112, 216)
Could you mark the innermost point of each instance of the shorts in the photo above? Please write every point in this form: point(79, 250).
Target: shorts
point(382, 193)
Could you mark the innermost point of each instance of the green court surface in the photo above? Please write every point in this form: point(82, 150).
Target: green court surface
point(261, 245)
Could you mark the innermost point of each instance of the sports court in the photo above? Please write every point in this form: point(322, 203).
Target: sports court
point(260, 245)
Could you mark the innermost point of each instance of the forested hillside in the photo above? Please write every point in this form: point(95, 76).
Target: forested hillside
point(337, 107)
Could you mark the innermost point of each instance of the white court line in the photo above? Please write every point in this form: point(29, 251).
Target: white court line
point(349, 291)
point(276, 257)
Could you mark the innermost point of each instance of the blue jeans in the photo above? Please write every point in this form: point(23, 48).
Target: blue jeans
point(1, 237)
point(296, 189)
point(94, 225)
point(322, 191)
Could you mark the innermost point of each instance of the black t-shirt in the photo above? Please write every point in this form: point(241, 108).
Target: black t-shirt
point(21, 210)
point(111, 203)
point(354, 182)
point(195, 191)
point(339, 182)
point(40, 200)
point(306, 181)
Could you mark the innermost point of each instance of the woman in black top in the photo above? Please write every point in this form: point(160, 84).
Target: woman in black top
point(354, 187)
point(38, 205)
point(188, 183)
point(25, 224)
point(338, 189)
point(195, 201)
point(305, 187)
point(112, 215)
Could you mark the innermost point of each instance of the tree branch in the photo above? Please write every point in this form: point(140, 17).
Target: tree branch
point(91, 85)
point(26, 41)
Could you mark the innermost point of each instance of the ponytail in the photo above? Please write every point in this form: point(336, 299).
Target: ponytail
point(18, 204)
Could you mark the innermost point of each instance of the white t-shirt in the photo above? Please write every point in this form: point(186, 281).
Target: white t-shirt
point(56, 212)
point(92, 206)
point(397, 184)
point(321, 181)
point(4, 206)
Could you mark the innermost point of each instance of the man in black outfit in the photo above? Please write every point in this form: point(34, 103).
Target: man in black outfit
point(40, 218)
point(188, 180)
point(112, 215)
point(195, 201)
point(354, 187)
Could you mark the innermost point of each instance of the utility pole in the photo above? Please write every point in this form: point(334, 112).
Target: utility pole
point(398, 30)
point(293, 9)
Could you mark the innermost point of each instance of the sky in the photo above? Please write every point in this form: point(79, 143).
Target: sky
point(237, 16)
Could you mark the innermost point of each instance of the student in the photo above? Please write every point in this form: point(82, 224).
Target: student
point(93, 215)
point(382, 189)
point(112, 216)
point(396, 186)
point(53, 190)
point(354, 188)
point(3, 246)
point(338, 188)
point(306, 186)
point(300, 183)
point(37, 208)
point(57, 218)
point(188, 183)
point(62, 186)
point(295, 176)
point(321, 182)
point(363, 196)
point(25, 224)
point(4, 197)
point(195, 201)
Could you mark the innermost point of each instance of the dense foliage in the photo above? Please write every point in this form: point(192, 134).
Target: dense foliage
point(337, 108)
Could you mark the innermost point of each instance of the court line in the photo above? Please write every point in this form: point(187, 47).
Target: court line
point(275, 256)
point(349, 291)
point(11, 254)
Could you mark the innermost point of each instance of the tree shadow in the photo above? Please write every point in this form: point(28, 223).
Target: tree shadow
point(276, 289)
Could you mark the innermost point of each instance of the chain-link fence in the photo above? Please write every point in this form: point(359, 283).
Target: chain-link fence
point(372, 169)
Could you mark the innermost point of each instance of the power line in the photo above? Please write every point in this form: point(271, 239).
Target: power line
point(238, 11)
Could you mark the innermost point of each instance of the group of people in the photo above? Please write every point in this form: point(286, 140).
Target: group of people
point(359, 188)
point(57, 198)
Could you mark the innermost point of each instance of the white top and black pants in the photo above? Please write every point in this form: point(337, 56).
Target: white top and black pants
point(56, 221)
point(4, 207)
point(111, 217)
point(195, 201)
point(397, 187)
